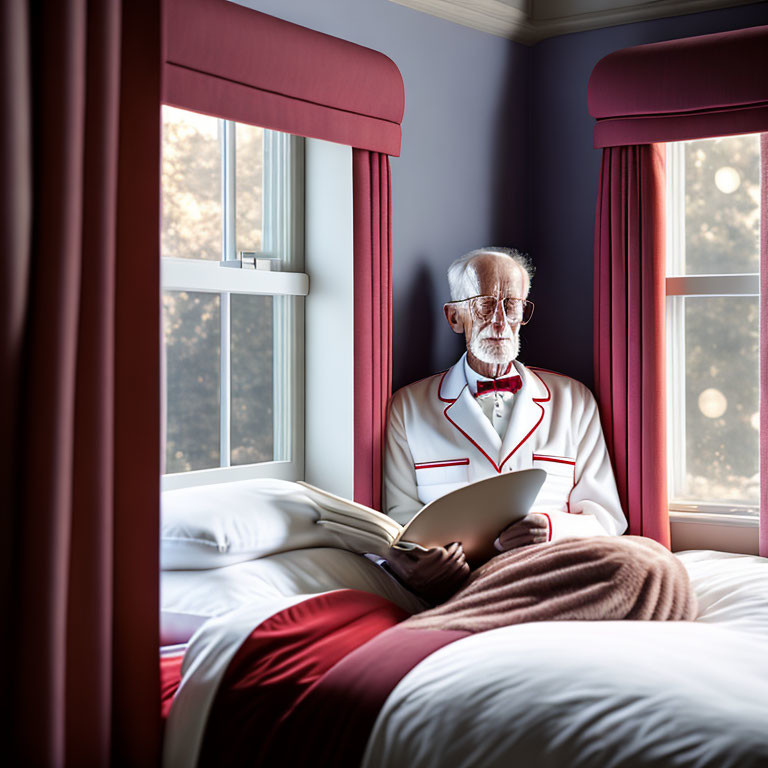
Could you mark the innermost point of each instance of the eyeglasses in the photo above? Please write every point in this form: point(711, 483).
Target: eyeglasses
point(517, 311)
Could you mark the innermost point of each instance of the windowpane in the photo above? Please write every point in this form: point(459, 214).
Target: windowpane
point(192, 346)
point(722, 205)
point(722, 396)
point(229, 187)
point(249, 185)
point(191, 219)
point(252, 342)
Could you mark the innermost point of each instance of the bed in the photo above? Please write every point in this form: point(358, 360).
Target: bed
point(282, 648)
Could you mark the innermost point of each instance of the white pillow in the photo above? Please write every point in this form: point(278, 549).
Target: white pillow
point(216, 525)
point(189, 598)
point(731, 589)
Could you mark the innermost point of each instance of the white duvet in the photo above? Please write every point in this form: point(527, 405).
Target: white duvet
point(597, 694)
point(553, 694)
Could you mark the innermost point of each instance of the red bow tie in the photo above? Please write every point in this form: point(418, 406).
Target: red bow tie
point(509, 384)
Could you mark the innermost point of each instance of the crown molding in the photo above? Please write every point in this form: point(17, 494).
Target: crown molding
point(491, 16)
point(529, 21)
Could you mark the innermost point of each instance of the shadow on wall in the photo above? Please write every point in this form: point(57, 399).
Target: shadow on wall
point(509, 156)
point(415, 316)
point(511, 170)
point(426, 345)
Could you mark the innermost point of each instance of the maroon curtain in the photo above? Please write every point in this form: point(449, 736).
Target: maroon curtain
point(373, 318)
point(80, 395)
point(223, 59)
point(629, 331)
point(694, 88)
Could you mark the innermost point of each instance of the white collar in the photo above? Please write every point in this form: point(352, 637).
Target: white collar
point(473, 376)
point(454, 380)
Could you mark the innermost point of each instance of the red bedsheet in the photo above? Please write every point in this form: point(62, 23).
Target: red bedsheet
point(170, 679)
point(278, 665)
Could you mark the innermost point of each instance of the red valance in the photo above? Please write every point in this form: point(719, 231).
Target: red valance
point(711, 85)
point(223, 59)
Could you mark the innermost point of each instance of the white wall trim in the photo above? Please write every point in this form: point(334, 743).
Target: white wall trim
point(717, 532)
point(714, 285)
point(330, 396)
point(210, 276)
point(491, 16)
point(282, 470)
point(529, 22)
point(706, 518)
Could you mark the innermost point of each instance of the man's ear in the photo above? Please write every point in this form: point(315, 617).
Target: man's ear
point(454, 316)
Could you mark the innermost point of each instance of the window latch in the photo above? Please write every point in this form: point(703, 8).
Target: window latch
point(253, 260)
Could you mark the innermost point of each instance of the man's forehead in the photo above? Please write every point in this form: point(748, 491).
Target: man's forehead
point(491, 271)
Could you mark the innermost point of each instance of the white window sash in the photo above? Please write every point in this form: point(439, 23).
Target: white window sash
point(679, 286)
point(228, 207)
point(210, 277)
point(675, 336)
point(280, 470)
point(283, 201)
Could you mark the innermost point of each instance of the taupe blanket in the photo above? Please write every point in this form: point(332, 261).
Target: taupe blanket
point(598, 578)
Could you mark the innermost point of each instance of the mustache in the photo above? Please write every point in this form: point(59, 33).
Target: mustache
point(488, 333)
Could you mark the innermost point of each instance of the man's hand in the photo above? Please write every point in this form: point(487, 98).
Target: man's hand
point(531, 529)
point(435, 574)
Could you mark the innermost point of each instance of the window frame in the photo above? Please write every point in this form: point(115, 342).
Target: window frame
point(283, 236)
point(680, 285)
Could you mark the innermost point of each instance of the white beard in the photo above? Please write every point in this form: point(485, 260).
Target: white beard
point(493, 352)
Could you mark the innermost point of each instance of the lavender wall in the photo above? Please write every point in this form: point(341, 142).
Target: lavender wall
point(497, 149)
point(461, 180)
point(565, 177)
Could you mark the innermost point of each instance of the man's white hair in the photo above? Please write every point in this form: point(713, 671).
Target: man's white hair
point(461, 280)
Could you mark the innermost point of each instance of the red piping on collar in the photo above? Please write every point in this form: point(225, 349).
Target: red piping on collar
point(546, 370)
point(445, 413)
point(538, 401)
point(440, 388)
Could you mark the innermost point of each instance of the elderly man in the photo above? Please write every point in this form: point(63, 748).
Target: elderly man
point(489, 414)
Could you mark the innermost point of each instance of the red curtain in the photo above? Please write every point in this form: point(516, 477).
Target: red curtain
point(80, 396)
point(694, 88)
point(373, 318)
point(629, 331)
point(223, 59)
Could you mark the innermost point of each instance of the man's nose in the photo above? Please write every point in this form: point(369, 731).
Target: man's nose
point(499, 319)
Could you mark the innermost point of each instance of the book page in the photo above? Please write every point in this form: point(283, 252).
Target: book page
point(358, 540)
point(476, 514)
point(346, 511)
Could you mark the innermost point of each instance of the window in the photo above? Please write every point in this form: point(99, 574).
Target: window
point(713, 253)
point(233, 307)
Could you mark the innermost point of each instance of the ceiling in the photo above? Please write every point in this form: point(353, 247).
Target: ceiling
point(528, 21)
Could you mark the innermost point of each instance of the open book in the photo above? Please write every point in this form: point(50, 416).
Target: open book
point(474, 514)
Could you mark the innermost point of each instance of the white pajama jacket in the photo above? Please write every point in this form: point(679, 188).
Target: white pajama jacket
point(438, 439)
